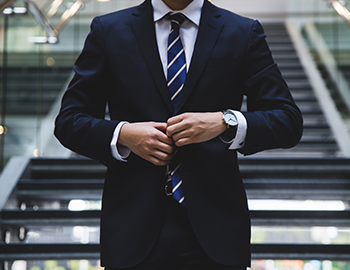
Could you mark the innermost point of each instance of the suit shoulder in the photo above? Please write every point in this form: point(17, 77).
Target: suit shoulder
point(230, 18)
point(124, 16)
point(116, 16)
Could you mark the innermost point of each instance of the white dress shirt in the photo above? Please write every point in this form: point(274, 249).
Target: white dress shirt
point(188, 35)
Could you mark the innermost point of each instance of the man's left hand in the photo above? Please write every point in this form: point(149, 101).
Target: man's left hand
point(188, 128)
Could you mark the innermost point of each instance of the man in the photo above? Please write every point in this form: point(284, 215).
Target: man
point(129, 62)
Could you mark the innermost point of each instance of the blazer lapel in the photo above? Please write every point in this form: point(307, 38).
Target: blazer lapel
point(143, 27)
point(208, 32)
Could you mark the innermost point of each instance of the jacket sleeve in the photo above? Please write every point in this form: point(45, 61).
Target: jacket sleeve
point(81, 125)
point(274, 120)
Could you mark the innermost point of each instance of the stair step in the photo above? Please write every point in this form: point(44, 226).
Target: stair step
point(289, 65)
point(22, 251)
point(299, 85)
point(92, 218)
point(278, 40)
point(282, 48)
point(89, 169)
point(302, 96)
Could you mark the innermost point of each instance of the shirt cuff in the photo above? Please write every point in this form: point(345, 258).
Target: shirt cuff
point(239, 140)
point(119, 152)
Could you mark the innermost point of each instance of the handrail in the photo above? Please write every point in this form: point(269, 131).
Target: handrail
point(5, 3)
point(10, 176)
point(43, 20)
point(68, 14)
point(341, 10)
point(330, 111)
point(54, 8)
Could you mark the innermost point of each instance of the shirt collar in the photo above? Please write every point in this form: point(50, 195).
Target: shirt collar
point(192, 11)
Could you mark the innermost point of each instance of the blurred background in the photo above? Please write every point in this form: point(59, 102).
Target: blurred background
point(50, 198)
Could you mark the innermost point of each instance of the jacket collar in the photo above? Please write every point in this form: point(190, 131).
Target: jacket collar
point(143, 27)
point(209, 30)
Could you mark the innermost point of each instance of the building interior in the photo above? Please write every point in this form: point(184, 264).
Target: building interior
point(50, 197)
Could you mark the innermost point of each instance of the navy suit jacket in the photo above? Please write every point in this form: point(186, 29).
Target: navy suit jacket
point(120, 66)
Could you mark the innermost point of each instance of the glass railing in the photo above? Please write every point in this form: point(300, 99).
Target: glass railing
point(325, 26)
point(39, 43)
point(341, 9)
point(35, 71)
point(33, 74)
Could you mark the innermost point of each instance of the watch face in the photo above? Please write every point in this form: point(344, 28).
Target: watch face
point(230, 118)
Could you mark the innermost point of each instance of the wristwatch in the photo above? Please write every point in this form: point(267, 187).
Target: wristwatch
point(231, 121)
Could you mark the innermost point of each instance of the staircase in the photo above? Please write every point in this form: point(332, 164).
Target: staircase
point(33, 90)
point(317, 140)
point(36, 223)
point(346, 72)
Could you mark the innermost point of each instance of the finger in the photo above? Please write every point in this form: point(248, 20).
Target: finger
point(177, 128)
point(161, 142)
point(183, 142)
point(168, 149)
point(160, 158)
point(175, 124)
point(175, 119)
point(164, 138)
point(184, 133)
point(156, 157)
point(157, 161)
point(160, 126)
point(160, 133)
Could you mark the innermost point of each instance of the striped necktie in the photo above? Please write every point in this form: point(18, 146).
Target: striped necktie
point(176, 59)
point(176, 79)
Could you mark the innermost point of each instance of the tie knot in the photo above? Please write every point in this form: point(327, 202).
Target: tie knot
point(176, 20)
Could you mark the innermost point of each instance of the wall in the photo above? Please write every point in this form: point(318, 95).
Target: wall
point(264, 10)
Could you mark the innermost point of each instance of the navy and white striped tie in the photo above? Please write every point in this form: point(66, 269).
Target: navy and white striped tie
point(176, 79)
point(176, 59)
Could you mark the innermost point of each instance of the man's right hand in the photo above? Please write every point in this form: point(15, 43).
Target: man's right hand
point(149, 141)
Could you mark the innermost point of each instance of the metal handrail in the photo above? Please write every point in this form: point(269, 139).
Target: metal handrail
point(54, 8)
point(10, 176)
point(52, 32)
point(68, 14)
point(341, 10)
point(42, 20)
point(5, 3)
